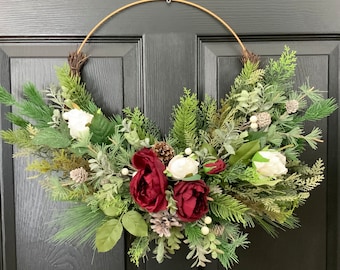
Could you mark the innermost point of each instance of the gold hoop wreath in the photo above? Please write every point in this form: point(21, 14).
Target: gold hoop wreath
point(78, 58)
point(221, 168)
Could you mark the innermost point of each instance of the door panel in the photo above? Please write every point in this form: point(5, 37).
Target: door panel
point(144, 58)
point(174, 58)
point(304, 248)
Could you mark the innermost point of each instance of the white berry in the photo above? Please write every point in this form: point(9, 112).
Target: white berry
point(134, 173)
point(205, 230)
point(124, 171)
point(188, 151)
point(207, 220)
point(253, 119)
point(254, 125)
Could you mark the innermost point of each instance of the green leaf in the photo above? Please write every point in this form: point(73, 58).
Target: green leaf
point(134, 223)
point(111, 211)
point(245, 152)
point(101, 128)
point(194, 177)
point(108, 235)
point(52, 138)
point(257, 157)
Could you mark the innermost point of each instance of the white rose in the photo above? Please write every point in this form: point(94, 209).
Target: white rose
point(78, 121)
point(270, 163)
point(180, 167)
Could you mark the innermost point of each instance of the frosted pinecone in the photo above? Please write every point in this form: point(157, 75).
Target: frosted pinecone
point(218, 229)
point(292, 106)
point(162, 222)
point(79, 175)
point(164, 151)
point(263, 119)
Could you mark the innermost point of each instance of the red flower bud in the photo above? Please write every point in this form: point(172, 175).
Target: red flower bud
point(214, 167)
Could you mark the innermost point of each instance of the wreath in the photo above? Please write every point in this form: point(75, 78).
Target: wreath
point(219, 170)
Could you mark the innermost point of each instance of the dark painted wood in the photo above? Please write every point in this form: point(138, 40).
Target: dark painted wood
point(34, 211)
point(247, 16)
point(8, 251)
point(169, 67)
point(333, 171)
point(139, 59)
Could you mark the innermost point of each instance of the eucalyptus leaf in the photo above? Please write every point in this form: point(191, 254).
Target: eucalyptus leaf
point(134, 223)
point(245, 152)
point(108, 235)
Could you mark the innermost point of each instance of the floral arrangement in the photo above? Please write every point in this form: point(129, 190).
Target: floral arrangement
point(220, 168)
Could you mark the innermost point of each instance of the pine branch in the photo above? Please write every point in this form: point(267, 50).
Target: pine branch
point(184, 115)
point(17, 120)
point(281, 71)
point(228, 208)
point(228, 258)
point(318, 110)
point(6, 98)
point(74, 89)
point(19, 137)
point(79, 224)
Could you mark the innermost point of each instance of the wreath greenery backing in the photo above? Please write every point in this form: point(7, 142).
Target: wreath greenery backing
point(219, 170)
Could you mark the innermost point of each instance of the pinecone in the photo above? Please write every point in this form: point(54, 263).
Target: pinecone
point(292, 106)
point(263, 119)
point(162, 222)
point(218, 229)
point(79, 175)
point(163, 151)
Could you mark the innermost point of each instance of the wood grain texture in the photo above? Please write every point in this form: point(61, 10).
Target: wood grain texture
point(137, 60)
point(333, 171)
point(169, 66)
point(33, 208)
point(246, 16)
point(7, 200)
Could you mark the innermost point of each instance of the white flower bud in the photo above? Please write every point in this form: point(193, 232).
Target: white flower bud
point(270, 163)
point(179, 167)
point(78, 121)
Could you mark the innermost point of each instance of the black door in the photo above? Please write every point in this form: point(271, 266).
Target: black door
point(144, 57)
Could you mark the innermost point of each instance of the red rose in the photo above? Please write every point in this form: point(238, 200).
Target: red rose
point(148, 186)
point(214, 167)
point(191, 197)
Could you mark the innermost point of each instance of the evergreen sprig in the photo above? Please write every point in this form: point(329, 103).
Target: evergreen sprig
point(281, 71)
point(228, 208)
point(184, 129)
point(74, 90)
point(80, 224)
